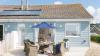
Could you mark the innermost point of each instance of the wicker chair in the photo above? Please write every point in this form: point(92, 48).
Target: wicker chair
point(26, 45)
point(33, 50)
point(30, 49)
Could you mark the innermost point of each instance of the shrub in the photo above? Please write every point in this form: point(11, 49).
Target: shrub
point(98, 38)
point(95, 38)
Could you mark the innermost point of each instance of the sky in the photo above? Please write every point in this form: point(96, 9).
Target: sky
point(92, 6)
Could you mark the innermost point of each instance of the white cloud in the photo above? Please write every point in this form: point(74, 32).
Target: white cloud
point(58, 2)
point(97, 17)
point(91, 10)
point(95, 13)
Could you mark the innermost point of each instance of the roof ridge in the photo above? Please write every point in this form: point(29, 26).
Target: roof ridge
point(45, 5)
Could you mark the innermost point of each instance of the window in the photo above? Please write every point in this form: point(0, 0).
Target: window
point(1, 32)
point(72, 29)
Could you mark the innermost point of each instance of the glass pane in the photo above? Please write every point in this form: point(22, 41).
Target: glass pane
point(72, 29)
point(20, 12)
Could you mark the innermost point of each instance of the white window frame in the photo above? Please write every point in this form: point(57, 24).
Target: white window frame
point(77, 27)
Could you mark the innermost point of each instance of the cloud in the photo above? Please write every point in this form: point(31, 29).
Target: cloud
point(58, 2)
point(91, 10)
point(97, 16)
point(95, 12)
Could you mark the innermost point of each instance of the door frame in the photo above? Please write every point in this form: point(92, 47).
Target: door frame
point(36, 34)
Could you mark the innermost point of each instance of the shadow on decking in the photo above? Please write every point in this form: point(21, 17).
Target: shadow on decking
point(18, 52)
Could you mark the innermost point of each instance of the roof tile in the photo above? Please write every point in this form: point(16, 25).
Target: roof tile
point(67, 11)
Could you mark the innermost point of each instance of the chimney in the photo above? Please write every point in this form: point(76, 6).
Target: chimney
point(26, 4)
point(22, 5)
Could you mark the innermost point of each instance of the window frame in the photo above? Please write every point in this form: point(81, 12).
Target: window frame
point(77, 27)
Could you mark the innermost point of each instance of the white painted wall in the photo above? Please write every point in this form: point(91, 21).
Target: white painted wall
point(12, 40)
point(36, 34)
point(77, 51)
point(44, 20)
point(15, 39)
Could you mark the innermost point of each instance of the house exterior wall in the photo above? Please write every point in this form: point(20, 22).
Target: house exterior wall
point(29, 33)
point(74, 41)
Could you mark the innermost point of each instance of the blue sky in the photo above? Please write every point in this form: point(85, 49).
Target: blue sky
point(43, 2)
point(92, 6)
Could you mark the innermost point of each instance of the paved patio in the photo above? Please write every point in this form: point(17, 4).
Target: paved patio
point(1, 49)
point(18, 52)
point(94, 50)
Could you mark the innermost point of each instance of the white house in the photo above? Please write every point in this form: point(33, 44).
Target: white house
point(71, 21)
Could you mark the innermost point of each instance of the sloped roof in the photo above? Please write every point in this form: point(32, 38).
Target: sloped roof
point(66, 11)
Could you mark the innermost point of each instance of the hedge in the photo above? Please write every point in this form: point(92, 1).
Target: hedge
point(95, 38)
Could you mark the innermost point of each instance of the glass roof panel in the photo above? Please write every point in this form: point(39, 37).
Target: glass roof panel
point(20, 12)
